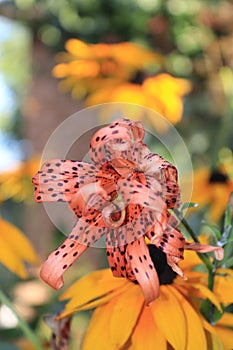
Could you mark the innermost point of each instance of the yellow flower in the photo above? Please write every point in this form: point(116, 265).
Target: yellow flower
point(121, 319)
point(15, 249)
point(162, 93)
point(16, 183)
point(88, 67)
point(212, 188)
point(103, 73)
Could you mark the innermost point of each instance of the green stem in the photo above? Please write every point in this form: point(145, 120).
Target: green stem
point(21, 323)
point(207, 308)
point(203, 257)
point(186, 225)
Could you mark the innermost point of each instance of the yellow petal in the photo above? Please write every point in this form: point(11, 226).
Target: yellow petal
point(79, 48)
point(203, 292)
point(18, 242)
point(220, 195)
point(170, 319)
point(92, 286)
point(11, 260)
point(146, 334)
point(124, 315)
point(223, 287)
point(15, 248)
point(226, 336)
point(216, 343)
point(97, 336)
point(224, 272)
point(70, 308)
point(195, 332)
point(210, 329)
point(226, 320)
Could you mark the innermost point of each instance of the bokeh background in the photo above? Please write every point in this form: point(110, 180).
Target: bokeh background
point(57, 57)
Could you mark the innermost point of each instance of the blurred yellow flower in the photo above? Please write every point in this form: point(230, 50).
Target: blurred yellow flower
point(87, 67)
point(212, 188)
point(15, 249)
point(102, 73)
point(162, 93)
point(171, 321)
point(16, 183)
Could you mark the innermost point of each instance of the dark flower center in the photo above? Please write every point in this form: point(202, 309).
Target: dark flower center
point(218, 176)
point(138, 78)
point(165, 273)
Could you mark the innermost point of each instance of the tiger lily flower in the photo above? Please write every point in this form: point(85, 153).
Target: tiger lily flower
point(124, 194)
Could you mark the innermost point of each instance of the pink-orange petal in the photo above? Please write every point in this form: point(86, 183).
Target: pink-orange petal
point(205, 248)
point(59, 261)
point(143, 269)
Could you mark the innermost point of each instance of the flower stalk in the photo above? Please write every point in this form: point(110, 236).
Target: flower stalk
point(202, 256)
point(21, 323)
point(207, 308)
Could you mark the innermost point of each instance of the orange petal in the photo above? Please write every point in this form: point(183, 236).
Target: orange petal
point(224, 338)
point(58, 179)
point(196, 336)
point(124, 315)
point(95, 339)
point(143, 269)
point(205, 248)
point(146, 334)
point(170, 319)
point(59, 261)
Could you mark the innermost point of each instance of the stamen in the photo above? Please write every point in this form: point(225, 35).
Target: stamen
point(114, 214)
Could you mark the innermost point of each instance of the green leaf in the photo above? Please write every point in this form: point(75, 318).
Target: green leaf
point(227, 235)
point(188, 205)
point(215, 230)
point(210, 312)
point(229, 262)
point(228, 214)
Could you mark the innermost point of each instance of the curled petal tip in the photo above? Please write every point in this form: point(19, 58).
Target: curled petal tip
point(219, 254)
point(59, 261)
point(51, 279)
point(149, 298)
point(205, 248)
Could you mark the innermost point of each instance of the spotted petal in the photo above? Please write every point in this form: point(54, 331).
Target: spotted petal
point(58, 179)
point(59, 261)
point(134, 192)
point(143, 268)
point(133, 261)
point(205, 248)
point(115, 141)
